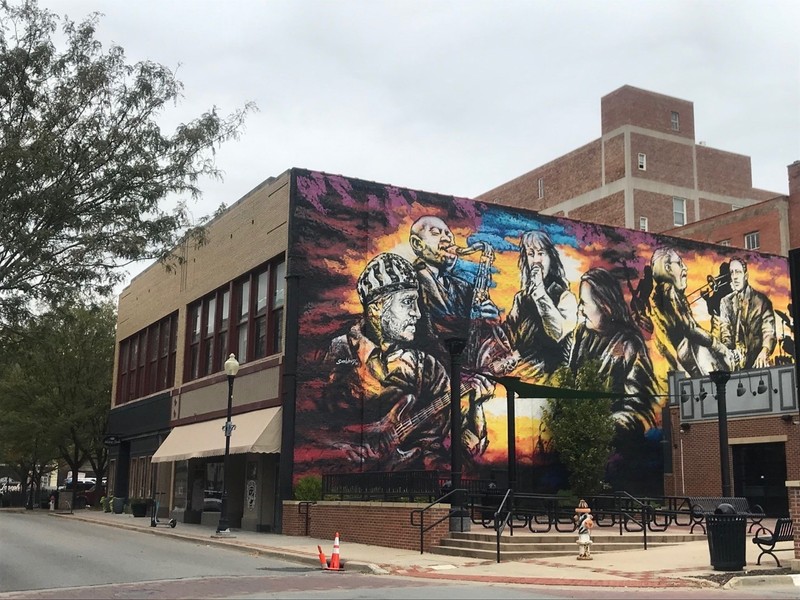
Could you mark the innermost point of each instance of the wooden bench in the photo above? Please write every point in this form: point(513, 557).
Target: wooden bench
point(700, 506)
point(766, 539)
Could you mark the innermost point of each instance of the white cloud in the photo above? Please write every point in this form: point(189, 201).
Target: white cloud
point(459, 97)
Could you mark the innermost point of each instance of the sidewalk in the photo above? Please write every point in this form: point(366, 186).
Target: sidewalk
point(679, 565)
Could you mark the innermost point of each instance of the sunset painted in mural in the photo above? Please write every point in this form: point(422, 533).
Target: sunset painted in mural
point(387, 275)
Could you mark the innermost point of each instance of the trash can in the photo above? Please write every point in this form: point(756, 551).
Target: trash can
point(726, 531)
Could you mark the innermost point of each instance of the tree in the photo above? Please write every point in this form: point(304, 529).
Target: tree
point(84, 165)
point(57, 391)
point(582, 430)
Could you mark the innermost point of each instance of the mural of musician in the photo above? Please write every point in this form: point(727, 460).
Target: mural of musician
point(679, 338)
point(385, 280)
point(606, 332)
point(393, 396)
point(746, 320)
point(544, 312)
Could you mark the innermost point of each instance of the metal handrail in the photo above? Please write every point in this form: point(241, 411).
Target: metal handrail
point(305, 504)
point(509, 516)
point(421, 512)
point(624, 514)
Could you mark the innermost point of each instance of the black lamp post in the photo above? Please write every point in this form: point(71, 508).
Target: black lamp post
point(231, 368)
point(720, 379)
point(458, 517)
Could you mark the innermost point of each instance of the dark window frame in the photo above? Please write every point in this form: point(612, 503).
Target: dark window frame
point(237, 320)
point(138, 369)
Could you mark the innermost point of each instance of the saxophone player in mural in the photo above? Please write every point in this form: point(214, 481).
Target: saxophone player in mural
point(544, 311)
point(679, 338)
point(390, 398)
point(746, 321)
point(606, 332)
point(455, 307)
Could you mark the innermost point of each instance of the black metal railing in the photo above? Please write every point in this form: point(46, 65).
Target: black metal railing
point(500, 521)
point(304, 508)
point(421, 512)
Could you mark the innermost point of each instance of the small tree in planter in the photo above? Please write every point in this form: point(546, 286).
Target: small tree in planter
point(308, 488)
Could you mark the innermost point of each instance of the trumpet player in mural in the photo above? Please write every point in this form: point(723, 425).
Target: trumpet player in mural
point(679, 338)
point(389, 399)
point(606, 332)
point(544, 311)
point(746, 321)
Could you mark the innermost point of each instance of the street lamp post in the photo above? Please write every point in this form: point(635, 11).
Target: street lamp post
point(720, 379)
point(459, 518)
point(231, 368)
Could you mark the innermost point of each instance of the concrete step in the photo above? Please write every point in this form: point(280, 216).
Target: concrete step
point(483, 545)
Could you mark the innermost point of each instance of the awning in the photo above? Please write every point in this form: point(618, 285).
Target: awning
point(258, 431)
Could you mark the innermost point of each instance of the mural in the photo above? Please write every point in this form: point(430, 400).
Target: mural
point(389, 274)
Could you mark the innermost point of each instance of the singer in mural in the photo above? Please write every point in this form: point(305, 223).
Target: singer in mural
point(607, 333)
point(544, 312)
point(678, 337)
point(391, 399)
point(746, 321)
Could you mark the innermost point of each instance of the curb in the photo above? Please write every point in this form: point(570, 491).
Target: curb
point(753, 581)
point(351, 566)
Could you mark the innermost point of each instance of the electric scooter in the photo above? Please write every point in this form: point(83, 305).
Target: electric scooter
point(154, 520)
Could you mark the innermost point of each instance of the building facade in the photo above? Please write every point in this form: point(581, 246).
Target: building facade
point(340, 298)
point(648, 172)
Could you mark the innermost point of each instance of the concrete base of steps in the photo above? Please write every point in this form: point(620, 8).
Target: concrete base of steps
point(522, 546)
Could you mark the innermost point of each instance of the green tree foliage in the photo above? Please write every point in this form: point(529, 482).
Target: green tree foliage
point(84, 164)
point(582, 430)
point(55, 389)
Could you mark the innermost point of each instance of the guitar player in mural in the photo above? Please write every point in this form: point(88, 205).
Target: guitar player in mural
point(746, 321)
point(544, 311)
point(388, 400)
point(679, 338)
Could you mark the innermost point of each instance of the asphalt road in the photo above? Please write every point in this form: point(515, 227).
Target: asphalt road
point(46, 557)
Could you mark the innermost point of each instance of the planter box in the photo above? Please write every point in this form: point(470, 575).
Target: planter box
point(139, 509)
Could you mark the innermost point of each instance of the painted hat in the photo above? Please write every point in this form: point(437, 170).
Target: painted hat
point(582, 507)
point(384, 274)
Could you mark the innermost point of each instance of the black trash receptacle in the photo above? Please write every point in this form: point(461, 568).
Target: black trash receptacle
point(726, 531)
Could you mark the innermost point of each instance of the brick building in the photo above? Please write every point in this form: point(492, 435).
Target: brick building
point(284, 283)
point(648, 172)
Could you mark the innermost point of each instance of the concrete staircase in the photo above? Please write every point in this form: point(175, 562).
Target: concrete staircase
point(483, 544)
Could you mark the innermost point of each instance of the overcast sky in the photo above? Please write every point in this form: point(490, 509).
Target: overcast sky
point(459, 97)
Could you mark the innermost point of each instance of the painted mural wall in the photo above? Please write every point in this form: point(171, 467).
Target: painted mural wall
point(389, 274)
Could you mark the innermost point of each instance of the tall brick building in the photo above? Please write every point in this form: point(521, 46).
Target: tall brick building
point(648, 172)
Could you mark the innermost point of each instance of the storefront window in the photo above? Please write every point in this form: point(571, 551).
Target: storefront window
point(212, 493)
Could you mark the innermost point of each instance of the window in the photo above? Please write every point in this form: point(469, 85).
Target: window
point(244, 317)
point(675, 121)
point(642, 161)
point(678, 211)
point(541, 188)
point(724, 242)
point(751, 240)
point(642, 223)
point(147, 360)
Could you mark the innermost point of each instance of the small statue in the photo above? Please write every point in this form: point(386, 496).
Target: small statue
point(584, 523)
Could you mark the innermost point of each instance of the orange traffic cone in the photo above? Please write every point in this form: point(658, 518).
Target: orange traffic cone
point(322, 560)
point(335, 556)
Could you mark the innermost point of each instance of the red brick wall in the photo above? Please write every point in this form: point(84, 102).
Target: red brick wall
point(711, 208)
point(733, 225)
point(667, 161)
point(379, 523)
point(607, 211)
point(632, 106)
point(723, 172)
point(658, 210)
point(794, 513)
point(701, 468)
point(571, 175)
point(615, 158)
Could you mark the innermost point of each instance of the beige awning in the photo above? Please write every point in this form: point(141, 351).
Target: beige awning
point(258, 431)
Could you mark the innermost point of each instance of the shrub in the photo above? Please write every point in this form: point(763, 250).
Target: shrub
point(308, 488)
